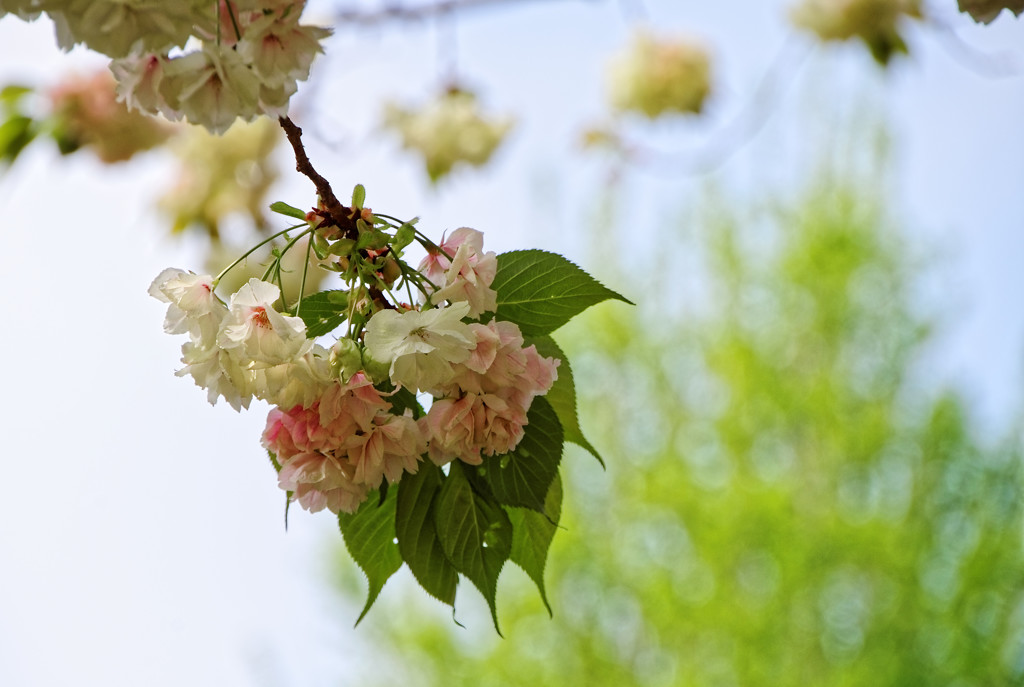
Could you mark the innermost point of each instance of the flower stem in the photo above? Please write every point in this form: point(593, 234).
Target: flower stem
point(251, 251)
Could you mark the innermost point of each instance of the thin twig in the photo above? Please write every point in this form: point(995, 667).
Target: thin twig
point(989, 65)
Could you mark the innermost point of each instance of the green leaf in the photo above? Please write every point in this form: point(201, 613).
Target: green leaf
point(532, 533)
point(372, 238)
point(403, 400)
point(273, 460)
point(475, 533)
point(370, 538)
point(320, 246)
point(523, 477)
point(15, 135)
point(13, 93)
point(403, 237)
point(287, 210)
point(323, 312)
point(342, 247)
point(417, 538)
point(358, 196)
point(562, 395)
point(541, 291)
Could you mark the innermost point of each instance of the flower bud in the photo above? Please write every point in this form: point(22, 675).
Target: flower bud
point(390, 271)
point(346, 359)
point(376, 370)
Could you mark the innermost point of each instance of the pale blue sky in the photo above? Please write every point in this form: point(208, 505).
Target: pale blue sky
point(142, 540)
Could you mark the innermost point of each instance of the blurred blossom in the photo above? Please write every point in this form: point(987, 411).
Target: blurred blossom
point(450, 131)
point(876, 22)
point(658, 76)
point(86, 114)
point(221, 176)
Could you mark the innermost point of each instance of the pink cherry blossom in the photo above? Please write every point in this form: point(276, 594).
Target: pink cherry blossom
point(351, 407)
point(473, 426)
point(500, 362)
point(392, 446)
point(321, 480)
point(334, 451)
point(484, 407)
point(467, 275)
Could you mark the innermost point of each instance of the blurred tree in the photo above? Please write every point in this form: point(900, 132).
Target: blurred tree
point(783, 505)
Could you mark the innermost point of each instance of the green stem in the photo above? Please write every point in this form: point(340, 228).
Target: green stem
point(234, 22)
point(251, 251)
point(305, 271)
point(275, 266)
point(393, 219)
point(429, 245)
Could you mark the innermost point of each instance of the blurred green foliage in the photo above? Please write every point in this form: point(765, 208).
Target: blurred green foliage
point(785, 503)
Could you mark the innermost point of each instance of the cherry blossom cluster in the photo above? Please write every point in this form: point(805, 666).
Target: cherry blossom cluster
point(338, 430)
point(250, 54)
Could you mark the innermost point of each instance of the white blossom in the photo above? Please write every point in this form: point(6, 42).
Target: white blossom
point(256, 334)
point(212, 87)
point(215, 370)
point(194, 308)
point(116, 27)
point(279, 50)
point(139, 77)
point(421, 345)
point(296, 383)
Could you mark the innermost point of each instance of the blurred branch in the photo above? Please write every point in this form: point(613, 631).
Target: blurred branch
point(990, 65)
point(781, 73)
point(395, 13)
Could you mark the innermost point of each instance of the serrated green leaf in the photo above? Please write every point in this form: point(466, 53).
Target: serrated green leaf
point(370, 538)
point(323, 312)
point(475, 534)
point(523, 477)
point(532, 533)
point(273, 460)
point(541, 291)
point(287, 210)
point(562, 395)
point(358, 196)
point(417, 537)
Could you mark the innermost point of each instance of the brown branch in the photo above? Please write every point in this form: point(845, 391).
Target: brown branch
point(400, 13)
point(337, 214)
point(341, 216)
